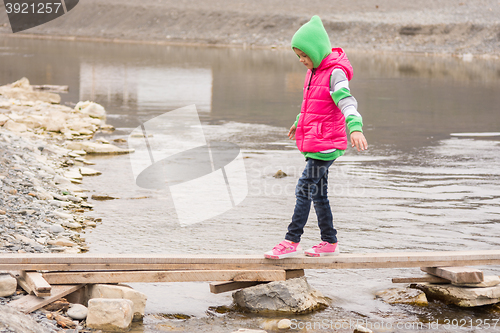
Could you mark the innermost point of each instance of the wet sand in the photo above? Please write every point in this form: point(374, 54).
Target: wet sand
point(423, 26)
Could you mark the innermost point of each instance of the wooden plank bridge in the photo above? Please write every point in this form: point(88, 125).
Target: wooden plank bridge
point(37, 272)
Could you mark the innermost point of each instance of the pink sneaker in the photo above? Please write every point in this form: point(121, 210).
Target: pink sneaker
point(283, 250)
point(323, 249)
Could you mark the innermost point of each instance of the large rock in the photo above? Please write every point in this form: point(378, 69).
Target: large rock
point(8, 285)
point(13, 321)
point(124, 292)
point(403, 296)
point(92, 109)
point(110, 314)
point(465, 297)
point(22, 90)
point(97, 148)
point(290, 296)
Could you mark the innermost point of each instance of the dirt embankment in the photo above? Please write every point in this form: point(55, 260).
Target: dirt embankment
point(433, 26)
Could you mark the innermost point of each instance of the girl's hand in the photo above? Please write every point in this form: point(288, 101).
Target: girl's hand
point(358, 140)
point(291, 132)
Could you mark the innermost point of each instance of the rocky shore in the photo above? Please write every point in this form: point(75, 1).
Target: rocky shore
point(42, 162)
point(423, 26)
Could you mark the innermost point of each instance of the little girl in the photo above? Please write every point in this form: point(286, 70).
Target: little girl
point(320, 134)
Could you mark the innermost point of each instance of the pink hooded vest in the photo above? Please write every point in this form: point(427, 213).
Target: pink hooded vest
point(321, 123)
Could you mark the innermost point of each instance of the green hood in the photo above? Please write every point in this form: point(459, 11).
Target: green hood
point(313, 40)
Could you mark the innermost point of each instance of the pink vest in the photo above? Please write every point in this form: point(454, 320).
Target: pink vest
point(321, 123)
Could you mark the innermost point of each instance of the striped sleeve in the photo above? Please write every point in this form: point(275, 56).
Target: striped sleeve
point(339, 89)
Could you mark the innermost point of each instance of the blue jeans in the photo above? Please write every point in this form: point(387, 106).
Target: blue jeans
point(313, 186)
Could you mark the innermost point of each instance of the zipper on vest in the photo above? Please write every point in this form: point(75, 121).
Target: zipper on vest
point(310, 78)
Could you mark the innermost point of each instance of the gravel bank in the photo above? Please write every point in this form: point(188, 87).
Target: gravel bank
point(428, 26)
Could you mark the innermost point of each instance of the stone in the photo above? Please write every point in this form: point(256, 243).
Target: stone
point(42, 194)
point(71, 225)
point(403, 296)
point(13, 321)
point(362, 329)
point(92, 109)
point(109, 314)
point(97, 148)
point(290, 296)
point(246, 330)
point(15, 126)
point(61, 241)
point(102, 197)
point(77, 311)
point(73, 174)
point(280, 174)
point(89, 172)
point(122, 292)
point(461, 296)
point(61, 180)
point(56, 228)
point(3, 119)
point(8, 285)
point(488, 281)
point(284, 324)
point(22, 90)
point(63, 215)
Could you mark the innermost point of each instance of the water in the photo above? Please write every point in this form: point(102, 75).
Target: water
point(417, 188)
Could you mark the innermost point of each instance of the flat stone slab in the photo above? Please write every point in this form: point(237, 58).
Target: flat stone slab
point(462, 296)
point(489, 281)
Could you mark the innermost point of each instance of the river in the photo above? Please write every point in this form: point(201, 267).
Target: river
point(421, 186)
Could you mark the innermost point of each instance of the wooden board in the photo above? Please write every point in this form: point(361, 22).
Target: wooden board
point(87, 261)
point(36, 283)
point(30, 303)
point(456, 274)
point(222, 287)
point(427, 278)
point(163, 276)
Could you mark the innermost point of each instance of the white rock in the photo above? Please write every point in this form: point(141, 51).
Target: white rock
point(246, 330)
point(61, 180)
point(61, 241)
point(63, 215)
point(97, 148)
point(8, 285)
point(362, 329)
point(109, 314)
point(77, 311)
point(123, 292)
point(42, 194)
point(92, 109)
point(73, 174)
point(15, 127)
point(284, 323)
point(89, 171)
point(56, 228)
point(3, 119)
point(71, 225)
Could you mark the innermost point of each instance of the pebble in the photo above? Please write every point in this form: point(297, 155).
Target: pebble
point(284, 323)
point(77, 311)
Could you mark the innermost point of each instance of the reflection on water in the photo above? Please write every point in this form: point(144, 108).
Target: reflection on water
point(416, 189)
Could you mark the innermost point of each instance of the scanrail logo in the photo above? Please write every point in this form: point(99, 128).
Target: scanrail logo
point(26, 14)
point(204, 178)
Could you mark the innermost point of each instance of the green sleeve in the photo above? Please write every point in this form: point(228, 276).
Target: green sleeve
point(354, 124)
point(297, 120)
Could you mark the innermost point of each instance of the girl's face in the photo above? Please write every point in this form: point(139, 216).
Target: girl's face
point(304, 58)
